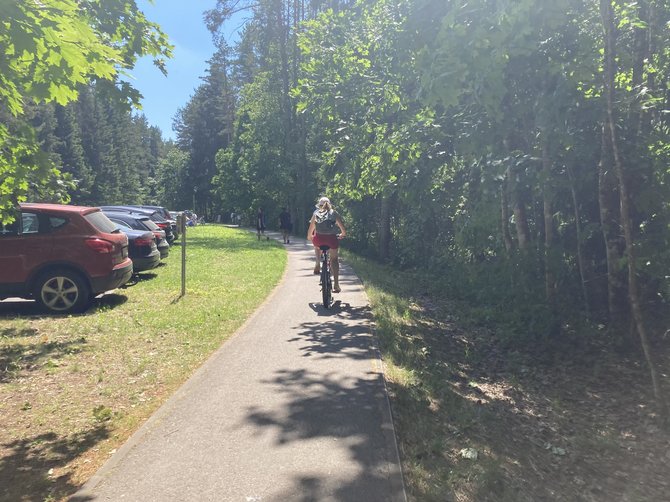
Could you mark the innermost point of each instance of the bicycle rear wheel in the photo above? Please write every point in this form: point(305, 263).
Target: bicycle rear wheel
point(326, 285)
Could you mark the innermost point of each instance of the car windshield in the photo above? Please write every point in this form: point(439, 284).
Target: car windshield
point(101, 222)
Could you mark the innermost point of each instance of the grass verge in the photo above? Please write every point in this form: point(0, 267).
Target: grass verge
point(480, 420)
point(73, 389)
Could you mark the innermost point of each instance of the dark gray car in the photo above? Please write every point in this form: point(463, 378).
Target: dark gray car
point(140, 222)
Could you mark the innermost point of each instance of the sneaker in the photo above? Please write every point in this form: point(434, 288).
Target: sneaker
point(336, 288)
point(317, 270)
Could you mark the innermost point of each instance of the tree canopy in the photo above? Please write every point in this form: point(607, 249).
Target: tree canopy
point(51, 51)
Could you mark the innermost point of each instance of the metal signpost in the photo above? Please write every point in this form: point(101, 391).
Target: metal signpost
point(182, 229)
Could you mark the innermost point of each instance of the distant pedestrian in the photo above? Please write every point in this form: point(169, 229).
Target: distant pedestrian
point(260, 222)
point(285, 225)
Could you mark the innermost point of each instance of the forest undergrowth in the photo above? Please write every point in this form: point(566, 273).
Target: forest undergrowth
point(481, 418)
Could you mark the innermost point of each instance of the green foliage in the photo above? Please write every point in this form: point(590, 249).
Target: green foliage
point(25, 168)
point(352, 89)
point(51, 52)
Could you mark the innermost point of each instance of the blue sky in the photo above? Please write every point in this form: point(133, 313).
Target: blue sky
point(182, 22)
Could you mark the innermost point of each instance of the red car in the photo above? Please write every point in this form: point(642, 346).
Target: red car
point(62, 256)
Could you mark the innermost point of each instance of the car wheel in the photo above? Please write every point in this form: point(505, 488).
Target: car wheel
point(62, 291)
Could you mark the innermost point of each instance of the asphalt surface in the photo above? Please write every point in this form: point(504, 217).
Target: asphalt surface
point(292, 408)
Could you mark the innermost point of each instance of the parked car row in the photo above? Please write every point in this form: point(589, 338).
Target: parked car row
point(168, 225)
point(147, 249)
point(62, 256)
point(141, 222)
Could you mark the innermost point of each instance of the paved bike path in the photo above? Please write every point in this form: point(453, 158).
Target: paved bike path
point(292, 408)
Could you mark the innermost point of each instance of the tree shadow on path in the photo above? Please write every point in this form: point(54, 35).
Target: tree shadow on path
point(348, 410)
point(337, 338)
point(326, 402)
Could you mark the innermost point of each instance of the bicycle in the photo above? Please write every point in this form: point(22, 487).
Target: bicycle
point(326, 280)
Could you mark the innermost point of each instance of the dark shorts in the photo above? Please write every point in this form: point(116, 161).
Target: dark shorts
point(329, 240)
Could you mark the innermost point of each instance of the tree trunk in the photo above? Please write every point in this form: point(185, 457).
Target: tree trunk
point(285, 100)
point(608, 201)
point(547, 193)
point(520, 216)
point(580, 247)
point(504, 215)
point(626, 220)
point(385, 227)
point(303, 183)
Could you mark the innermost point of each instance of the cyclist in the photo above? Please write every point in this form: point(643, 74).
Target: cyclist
point(325, 229)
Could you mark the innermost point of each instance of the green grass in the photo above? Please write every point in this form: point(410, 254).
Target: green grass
point(74, 388)
point(425, 357)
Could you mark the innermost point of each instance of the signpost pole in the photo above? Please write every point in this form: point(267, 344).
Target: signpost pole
point(182, 228)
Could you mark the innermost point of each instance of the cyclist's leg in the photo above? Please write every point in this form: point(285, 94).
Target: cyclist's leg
point(317, 267)
point(335, 268)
